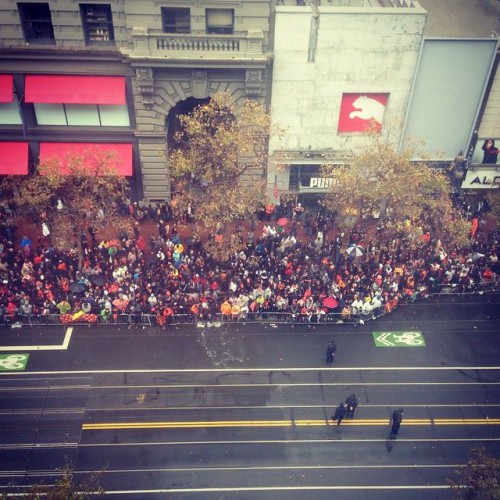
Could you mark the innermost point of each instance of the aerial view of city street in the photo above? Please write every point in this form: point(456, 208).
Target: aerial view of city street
point(250, 250)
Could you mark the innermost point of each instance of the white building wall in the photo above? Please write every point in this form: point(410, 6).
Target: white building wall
point(373, 50)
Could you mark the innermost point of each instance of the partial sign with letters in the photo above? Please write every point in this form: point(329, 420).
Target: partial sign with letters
point(481, 178)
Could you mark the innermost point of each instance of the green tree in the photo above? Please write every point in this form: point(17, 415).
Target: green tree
point(408, 196)
point(218, 168)
point(479, 479)
point(73, 193)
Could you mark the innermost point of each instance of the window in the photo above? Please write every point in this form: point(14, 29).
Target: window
point(97, 115)
point(220, 21)
point(36, 22)
point(97, 23)
point(9, 112)
point(176, 20)
point(301, 175)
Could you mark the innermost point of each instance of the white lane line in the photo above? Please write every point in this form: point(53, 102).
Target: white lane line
point(22, 348)
point(283, 407)
point(276, 488)
point(278, 467)
point(245, 443)
point(285, 441)
point(246, 370)
point(67, 337)
point(298, 384)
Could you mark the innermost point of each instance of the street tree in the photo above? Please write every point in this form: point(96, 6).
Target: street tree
point(64, 488)
point(408, 197)
point(74, 193)
point(493, 199)
point(479, 479)
point(218, 168)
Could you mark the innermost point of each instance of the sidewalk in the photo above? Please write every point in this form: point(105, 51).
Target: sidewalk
point(149, 229)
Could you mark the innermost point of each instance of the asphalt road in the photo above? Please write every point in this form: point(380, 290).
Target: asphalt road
point(242, 411)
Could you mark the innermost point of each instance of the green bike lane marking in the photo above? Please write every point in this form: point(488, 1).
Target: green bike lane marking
point(10, 362)
point(399, 339)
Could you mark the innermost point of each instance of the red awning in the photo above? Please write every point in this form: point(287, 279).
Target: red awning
point(65, 89)
point(121, 162)
point(13, 158)
point(6, 83)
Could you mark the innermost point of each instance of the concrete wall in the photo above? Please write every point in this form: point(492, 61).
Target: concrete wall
point(358, 50)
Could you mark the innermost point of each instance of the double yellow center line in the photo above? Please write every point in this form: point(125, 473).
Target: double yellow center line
point(102, 426)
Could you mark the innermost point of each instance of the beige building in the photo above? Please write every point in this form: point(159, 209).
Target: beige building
point(422, 72)
point(113, 74)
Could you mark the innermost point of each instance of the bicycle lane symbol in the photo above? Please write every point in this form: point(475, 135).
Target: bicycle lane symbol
point(11, 362)
point(409, 338)
point(399, 339)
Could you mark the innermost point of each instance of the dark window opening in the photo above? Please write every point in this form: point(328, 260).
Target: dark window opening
point(220, 21)
point(301, 175)
point(97, 22)
point(176, 20)
point(36, 22)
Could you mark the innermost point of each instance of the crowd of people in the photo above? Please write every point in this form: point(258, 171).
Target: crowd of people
point(292, 262)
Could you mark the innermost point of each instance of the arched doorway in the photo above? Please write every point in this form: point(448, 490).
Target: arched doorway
point(181, 108)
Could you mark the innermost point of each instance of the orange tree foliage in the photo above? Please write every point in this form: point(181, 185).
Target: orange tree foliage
point(410, 196)
point(88, 187)
point(65, 488)
point(218, 167)
point(479, 479)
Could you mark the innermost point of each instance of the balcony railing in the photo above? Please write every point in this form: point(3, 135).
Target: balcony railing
point(150, 44)
point(350, 3)
point(204, 44)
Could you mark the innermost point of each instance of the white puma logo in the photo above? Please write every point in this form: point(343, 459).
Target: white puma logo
point(367, 108)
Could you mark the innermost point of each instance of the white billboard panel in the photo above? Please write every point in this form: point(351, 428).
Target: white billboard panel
point(449, 86)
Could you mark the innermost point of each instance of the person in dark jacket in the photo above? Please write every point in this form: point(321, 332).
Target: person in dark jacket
point(339, 413)
point(396, 419)
point(490, 151)
point(351, 404)
point(135, 313)
point(330, 351)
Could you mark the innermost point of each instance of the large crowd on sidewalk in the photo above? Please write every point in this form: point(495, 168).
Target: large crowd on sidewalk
point(293, 265)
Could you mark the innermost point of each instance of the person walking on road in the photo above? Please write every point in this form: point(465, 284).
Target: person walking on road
point(339, 414)
point(396, 419)
point(351, 405)
point(330, 351)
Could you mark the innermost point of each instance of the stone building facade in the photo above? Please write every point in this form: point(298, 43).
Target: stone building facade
point(167, 53)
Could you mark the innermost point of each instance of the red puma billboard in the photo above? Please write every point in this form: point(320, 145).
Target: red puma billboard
point(358, 110)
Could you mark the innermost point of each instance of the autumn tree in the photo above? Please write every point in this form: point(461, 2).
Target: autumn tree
point(74, 193)
point(218, 168)
point(64, 488)
point(479, 479)
point(493, 199)
point(408, 196)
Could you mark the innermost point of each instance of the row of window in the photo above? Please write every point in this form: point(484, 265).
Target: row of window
point(86, 115)
point(178, 20)
point(97, 22)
